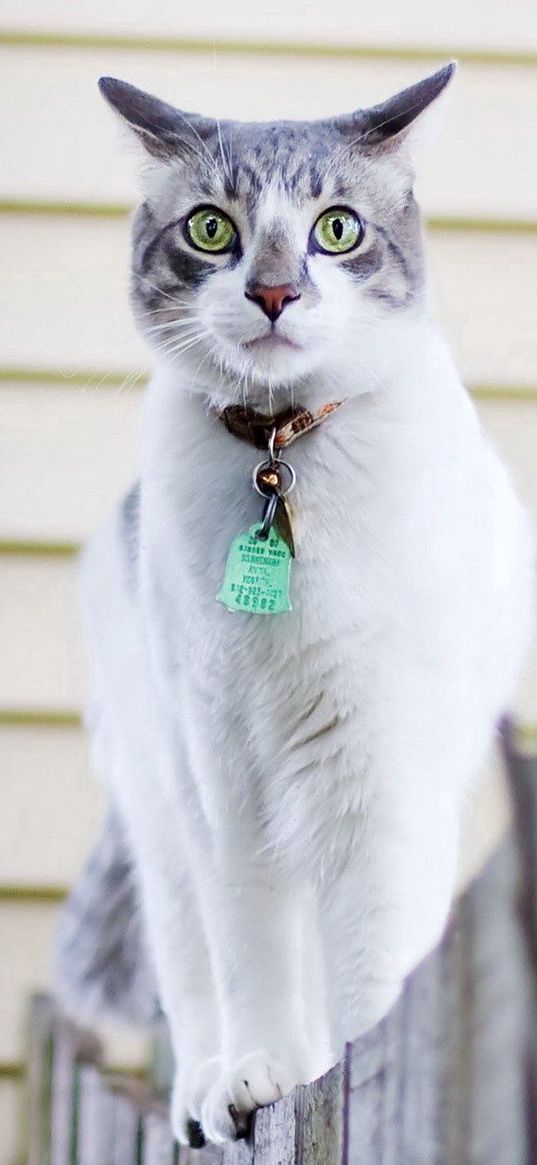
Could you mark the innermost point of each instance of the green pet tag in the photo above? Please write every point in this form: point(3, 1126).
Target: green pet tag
point(257, 574)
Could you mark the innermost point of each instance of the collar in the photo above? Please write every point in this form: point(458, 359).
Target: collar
point(287, 425)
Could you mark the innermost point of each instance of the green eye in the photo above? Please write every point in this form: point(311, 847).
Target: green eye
point(337, 230)
point(210, 229)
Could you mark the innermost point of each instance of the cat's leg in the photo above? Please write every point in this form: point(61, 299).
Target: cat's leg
point(152, 791)
point(313, 990)
point(385, 909)
point(256, 925)
point(184, 975)
point(139, 751)
point(253, 915)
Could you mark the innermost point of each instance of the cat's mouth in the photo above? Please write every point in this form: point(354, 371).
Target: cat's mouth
point(270, 342)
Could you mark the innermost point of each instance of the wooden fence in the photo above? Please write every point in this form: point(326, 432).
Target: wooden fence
point(449, 1077)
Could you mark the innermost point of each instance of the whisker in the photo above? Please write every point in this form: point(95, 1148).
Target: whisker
point(155, 311)
point(177, 352)
point(159, 290)
point(172, 324)
point(203, 360)
point(180, 341)
point(175, 338)
point(178, 344)
point(130, 382)
point(225, 161)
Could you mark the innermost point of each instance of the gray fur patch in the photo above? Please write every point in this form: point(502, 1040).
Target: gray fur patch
point(102, 964)
point(130, 533)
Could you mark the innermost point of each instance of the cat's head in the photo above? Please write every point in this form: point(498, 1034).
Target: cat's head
point(270, 252)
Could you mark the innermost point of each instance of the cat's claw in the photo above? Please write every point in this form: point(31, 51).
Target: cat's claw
point(253, 1081)
point(196, 1138)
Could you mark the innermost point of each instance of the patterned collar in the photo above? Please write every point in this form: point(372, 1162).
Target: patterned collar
point(257, 428)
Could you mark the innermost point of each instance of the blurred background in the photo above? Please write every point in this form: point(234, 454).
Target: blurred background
point(72, 368)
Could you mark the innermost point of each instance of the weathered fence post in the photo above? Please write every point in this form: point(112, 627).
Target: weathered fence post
point(96, 1119)
point(42, 1020)
point(522, 771)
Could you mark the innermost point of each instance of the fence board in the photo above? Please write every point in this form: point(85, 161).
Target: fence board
point(443, 1076)
point(96, 1122)
point(522, 770)
point(275, 1133)
point(240, 1153)
point(40, 1080)
point(208, 1155)
point(158, 1142)
point(63, 1098)
point(320, 1119)
point(71, 1047)
point(128, 1126)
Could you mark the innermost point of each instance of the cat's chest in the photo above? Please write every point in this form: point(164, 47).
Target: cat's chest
point(327, 582)
point(337, 582)
point(331, 509)
point(357, 519)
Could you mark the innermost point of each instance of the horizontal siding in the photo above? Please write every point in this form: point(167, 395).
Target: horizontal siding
point(513, 427)
point(483, 162)
point(492, 325)
point(88, 325)
point(490, 321)
point(479, 24)
point(26, 941)
point(48, 794)
point(74, 448)
point(40, 663)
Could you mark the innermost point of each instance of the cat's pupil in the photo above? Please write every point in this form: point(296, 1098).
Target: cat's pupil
point(337, 227)
point(211, 227)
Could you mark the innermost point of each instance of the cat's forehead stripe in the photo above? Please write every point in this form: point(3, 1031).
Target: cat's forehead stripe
point(251, 156)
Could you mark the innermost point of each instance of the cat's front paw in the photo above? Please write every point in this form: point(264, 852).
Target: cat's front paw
point(189, 1090)
point(251, 1082)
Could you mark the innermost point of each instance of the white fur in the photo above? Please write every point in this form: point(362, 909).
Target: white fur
point(292, 876)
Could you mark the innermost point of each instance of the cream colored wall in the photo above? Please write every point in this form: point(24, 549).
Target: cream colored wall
point(69, 362)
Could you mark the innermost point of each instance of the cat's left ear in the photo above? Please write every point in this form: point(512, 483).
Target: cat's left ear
point(164, 131)
point(388, 125)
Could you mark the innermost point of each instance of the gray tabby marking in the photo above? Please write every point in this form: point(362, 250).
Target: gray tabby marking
point(102, 962)
point(130, 521)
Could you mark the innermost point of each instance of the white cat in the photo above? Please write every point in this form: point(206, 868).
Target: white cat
point(290, 784)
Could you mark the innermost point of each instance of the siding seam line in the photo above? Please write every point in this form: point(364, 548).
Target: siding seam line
point(15, 38)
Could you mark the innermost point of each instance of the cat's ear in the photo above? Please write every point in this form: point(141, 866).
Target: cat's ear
point(165, 132)
point(396, 120)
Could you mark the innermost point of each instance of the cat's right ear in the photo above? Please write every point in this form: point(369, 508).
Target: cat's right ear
point(165, 132)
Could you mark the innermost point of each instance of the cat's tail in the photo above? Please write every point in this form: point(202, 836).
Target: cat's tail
point(102, 965)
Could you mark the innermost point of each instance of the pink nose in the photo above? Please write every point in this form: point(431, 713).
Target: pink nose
point(272, 300)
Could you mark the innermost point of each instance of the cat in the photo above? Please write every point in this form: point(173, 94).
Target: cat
point(287, 787)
